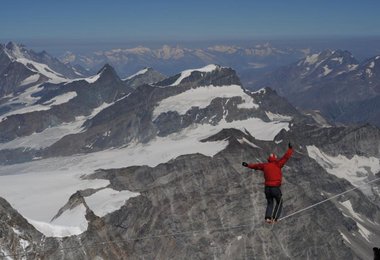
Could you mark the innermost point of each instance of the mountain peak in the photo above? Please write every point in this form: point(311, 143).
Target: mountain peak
point(15, 50)
point(107, 72)
point(11, 45)
point(106, 69)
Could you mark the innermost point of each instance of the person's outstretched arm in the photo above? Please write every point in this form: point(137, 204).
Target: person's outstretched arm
point(286, 156)
point(255, 166)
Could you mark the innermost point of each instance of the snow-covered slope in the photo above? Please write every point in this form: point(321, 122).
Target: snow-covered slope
point(62, 176)
point(162, 159)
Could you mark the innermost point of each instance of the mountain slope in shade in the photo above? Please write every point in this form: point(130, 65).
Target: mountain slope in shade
point(333, 82)
point(144, 76)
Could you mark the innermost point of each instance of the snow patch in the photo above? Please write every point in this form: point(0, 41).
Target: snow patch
point(24, 243)
point(18, 232)
point(338, 59)
point(108, 200)
point(187, 73)
point(352, 67)
point(201, 97)
point(311, 59)
point(71, 220)
point(278, 117)
point(91, 79)
point(363, 231)
point(64, 98)
point(141, 72)
point(345, 238)
point(26, 96)
point(261, 91)
point(244, 140)
point(30, 79)
point(356, 170)
point(326, 70)
point(347, 204)
point(51, 230)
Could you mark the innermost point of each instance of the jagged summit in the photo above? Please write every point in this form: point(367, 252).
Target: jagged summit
point(107, 73)
point(107, 68)
point(15, 50)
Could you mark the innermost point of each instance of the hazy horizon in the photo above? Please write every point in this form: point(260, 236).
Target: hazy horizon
point(361, 46)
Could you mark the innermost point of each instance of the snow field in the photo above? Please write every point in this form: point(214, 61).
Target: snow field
point(108, 200)
point(31, 79)
point(187, 73)
point(201, 97)
point(356, 170)
point(38, 189)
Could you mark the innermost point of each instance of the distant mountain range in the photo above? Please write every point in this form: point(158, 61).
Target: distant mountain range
point(334, 82)
point(148, 166)
point(169, 59)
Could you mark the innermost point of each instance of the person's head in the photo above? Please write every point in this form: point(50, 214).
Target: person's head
point(272, 157)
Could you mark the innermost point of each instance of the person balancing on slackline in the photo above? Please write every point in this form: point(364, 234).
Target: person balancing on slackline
point(273, 179)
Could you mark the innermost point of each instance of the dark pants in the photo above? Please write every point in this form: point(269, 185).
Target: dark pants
point(271, 194)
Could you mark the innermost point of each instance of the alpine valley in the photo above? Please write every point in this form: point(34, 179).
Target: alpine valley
point(149, 167)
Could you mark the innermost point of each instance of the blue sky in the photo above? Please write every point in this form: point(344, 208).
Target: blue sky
point(186, 20)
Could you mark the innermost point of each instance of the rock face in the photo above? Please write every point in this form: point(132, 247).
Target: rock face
point(144, 76)
point(333, 82)
point(17, 236)
point(20, 67)
point(174, 149)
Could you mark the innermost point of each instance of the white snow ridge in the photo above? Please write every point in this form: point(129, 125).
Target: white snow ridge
point(187, 73)
point(140, 72)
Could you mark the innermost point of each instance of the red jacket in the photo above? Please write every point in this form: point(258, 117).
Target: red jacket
point(272, 169)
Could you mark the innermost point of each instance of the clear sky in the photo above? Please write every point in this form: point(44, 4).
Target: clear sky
point(149, 20)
